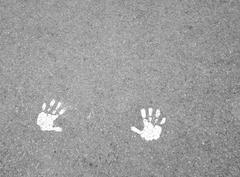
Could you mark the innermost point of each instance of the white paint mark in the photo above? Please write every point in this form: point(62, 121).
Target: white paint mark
point(52, 103)
point(158, 113)
point(62, 111)
point(44, 106)
point(163, 121)
point(151, 131)
point(150, 111)
point(143, 113)
point(45, 119)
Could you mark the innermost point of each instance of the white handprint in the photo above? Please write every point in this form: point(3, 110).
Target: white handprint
point(151, 131)
point(47, 116)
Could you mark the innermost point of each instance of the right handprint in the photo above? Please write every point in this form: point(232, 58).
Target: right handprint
point(151, 130)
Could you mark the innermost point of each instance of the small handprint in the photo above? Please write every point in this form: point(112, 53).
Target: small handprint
point(151, 130)
point(47, 116)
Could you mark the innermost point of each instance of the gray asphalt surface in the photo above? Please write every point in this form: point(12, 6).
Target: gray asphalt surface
point(110, 59)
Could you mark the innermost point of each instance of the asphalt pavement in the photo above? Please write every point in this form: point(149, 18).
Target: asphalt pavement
point(105, 61)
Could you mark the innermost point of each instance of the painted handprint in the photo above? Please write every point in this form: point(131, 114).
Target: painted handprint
point(152, 129)
point(46, 118)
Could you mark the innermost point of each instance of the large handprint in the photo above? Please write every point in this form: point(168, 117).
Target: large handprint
point(47, 116)
point(151, 130)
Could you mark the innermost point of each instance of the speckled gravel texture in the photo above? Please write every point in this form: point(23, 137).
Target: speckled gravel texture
point(110, 59)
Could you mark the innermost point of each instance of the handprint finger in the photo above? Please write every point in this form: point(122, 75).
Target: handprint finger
point(143, 113)
point(62, 111)
point(158, 113)
point(163, 121)
point(51, 104)
point(150, 111)
point(58, 105)
point(57, 129)
point(44, 106)
point(134, 129)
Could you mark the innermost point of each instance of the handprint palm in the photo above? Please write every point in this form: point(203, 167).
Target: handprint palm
point(47, 116)
point(151, 131)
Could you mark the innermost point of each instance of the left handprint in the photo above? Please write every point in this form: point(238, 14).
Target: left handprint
point(46, 118)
